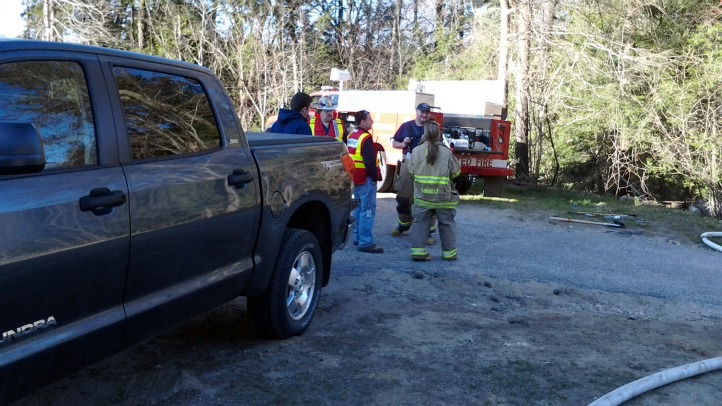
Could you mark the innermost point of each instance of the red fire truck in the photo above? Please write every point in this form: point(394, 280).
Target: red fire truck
point(482, 145)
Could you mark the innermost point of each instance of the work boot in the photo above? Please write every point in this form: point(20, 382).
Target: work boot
point(451, 258)
point(397, 231)
point(426, 257)
point(373, 249)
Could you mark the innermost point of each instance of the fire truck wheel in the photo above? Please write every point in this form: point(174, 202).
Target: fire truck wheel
point(492, 186)
point(387, 171)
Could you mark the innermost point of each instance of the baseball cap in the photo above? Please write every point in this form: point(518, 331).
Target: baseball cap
point(423, 107)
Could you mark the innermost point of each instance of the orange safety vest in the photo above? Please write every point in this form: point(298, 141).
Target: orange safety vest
point(335, 128)
point(355, 140)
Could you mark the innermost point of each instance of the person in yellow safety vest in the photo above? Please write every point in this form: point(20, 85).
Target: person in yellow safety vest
point(327, 126)
point(364, 152)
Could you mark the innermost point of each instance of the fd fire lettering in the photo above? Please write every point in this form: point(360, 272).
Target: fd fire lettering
point(478, 162)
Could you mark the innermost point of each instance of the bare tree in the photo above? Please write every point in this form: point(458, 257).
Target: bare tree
point(541, 86)
point(504, 48)
point(521, 126)
point(50, 32)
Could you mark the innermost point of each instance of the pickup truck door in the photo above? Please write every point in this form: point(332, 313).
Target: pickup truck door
point(194, 197)
point(64, 236)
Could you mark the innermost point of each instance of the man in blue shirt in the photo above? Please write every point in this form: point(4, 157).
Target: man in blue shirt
point(294, 120)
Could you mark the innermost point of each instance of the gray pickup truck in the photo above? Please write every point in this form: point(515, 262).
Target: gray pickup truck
point(131, 200)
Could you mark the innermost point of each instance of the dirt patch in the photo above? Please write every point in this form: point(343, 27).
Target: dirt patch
point(532, 313)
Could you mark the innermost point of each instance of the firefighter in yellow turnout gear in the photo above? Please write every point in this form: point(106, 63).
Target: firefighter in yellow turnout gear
point(407, 137)
point(433, 166)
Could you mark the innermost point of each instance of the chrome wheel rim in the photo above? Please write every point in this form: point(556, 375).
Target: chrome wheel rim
point(301, 285)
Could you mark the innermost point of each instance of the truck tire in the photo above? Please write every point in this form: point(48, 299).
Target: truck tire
point(387, 171)
point(492, 186)
point(286, 308)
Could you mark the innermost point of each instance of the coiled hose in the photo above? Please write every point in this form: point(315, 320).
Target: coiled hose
point(705, 239)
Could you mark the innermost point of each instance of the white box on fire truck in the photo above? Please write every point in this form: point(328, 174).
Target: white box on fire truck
point(472, 97)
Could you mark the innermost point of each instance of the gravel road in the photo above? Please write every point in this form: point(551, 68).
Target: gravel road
point(532, 313)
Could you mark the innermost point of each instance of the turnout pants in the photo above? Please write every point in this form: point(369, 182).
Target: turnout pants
point(404, 185)
point(420, 231)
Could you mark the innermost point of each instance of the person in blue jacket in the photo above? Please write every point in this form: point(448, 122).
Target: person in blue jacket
point(294, 120)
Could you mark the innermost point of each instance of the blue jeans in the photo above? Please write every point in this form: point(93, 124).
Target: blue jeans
point(365, 213)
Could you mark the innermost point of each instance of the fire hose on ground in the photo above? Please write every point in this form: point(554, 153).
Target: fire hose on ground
point(640, 386)
point(648, 383)
point(705, 239)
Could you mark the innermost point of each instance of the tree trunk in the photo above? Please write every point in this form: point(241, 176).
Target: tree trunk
point(368, 34)
point(542, 96)
point(46, 20)
point(140, 40)
point(396, 39)
point(715, 200)
point(339, 29)
point(439, 30)
point(521, 128)
point(504, 53)
point(301, 49)
point(50, 25)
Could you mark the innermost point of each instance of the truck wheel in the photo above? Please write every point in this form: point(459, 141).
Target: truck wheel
point(492, 186)
point(387, 171)
point(286, 308)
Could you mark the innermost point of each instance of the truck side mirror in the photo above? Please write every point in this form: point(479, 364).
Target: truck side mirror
point(21, 149)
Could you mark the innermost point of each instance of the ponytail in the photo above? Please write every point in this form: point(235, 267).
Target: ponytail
point(431, 136)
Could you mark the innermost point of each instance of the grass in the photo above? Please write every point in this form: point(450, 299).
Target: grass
point(649, 217)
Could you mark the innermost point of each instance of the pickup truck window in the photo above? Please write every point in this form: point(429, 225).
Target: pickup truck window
point(53, 96)
point(165, 114)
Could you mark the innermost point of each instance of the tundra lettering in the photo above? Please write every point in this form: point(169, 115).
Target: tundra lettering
point(27, 329)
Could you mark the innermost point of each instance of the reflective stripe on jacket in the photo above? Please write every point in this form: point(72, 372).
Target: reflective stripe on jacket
point(335, 128)
point(433, 188)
